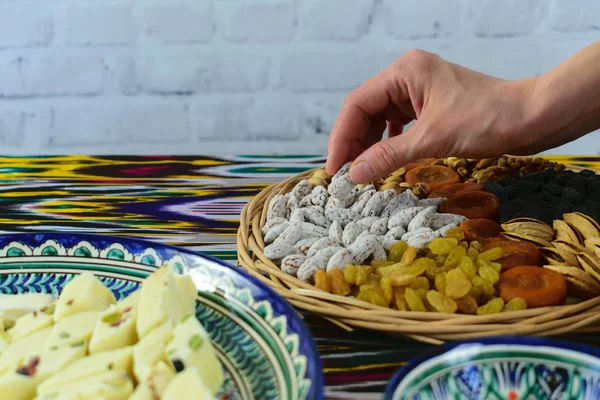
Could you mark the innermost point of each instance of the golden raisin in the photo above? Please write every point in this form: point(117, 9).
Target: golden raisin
point(493, 254)
point(515, 304)
point(489, 274)
point(471, 252)
point(441, 282)
point(440, 302)
point(457, 288)
point(350, 273)
point(386, 287)
point(442, 246)
point(468, 267)
point(455, 257)
point(362, 273)
point(475, 245)
point(337, 282)
point(420, 283)
point(321, 281)
point(464, 245)
point(493, 306)
point(399, 298)
point(401, 279)
point(455, 274)
point(397, 251)
point(409, 256)
point(381, 263)
point(413, 301)
point(419, 266)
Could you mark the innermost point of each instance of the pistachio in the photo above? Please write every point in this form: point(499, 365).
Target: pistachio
point(112, 317)
point(582, 226)
point(195, 342)
point(564, 232)
point(49, 309)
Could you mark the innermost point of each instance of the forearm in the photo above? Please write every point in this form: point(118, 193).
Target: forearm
point(565, 102)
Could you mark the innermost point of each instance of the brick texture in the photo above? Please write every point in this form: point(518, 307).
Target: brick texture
point(235, 76)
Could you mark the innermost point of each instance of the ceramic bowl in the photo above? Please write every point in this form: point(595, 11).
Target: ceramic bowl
point(264, 346)
point(504, 368)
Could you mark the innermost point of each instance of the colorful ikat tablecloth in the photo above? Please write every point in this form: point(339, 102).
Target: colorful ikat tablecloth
point(192, 202)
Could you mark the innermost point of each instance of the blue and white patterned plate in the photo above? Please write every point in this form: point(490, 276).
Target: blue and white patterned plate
point(264, 346)
point(504, 368)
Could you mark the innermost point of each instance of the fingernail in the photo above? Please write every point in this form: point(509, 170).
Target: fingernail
point(362, 173)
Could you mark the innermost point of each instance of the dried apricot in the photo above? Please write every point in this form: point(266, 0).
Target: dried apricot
point(435, 176)
point(516, 252)
point(480, 229)
point(539, 287)
point(419, 163)
point(448, 191)
point(473, 205)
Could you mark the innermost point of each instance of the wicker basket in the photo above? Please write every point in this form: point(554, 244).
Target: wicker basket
point(430, 327)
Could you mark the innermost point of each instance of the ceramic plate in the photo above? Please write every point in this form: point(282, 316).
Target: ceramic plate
point(501, 369)
point(265, 348)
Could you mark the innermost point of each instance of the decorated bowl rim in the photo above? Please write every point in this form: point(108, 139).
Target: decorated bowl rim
point(316, 391)
point(437, 351)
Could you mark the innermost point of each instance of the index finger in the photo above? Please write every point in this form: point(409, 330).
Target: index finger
point(352, 124)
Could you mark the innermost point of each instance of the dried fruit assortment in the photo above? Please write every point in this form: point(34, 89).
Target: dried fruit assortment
point(441, 235)
point(451, 276)
point(313, 228)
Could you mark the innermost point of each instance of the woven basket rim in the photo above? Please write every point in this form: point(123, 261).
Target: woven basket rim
point(429, 327)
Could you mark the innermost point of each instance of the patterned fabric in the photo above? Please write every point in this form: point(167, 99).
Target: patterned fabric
point(193, 202)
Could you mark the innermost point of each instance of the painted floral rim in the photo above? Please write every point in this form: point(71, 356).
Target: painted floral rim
point(474, 345)
point(262, 302)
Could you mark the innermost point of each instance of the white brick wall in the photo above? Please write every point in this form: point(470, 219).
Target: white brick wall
point(239, 76)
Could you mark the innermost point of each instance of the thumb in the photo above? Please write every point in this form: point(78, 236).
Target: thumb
point(388, 155)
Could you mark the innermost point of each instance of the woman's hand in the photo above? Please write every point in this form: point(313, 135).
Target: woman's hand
point(458, 112)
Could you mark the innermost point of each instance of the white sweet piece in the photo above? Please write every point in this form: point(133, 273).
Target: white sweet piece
point(291, 234)
point(275, 232)
point(297, 215)
point(421, 240)
point(409, 235)
point(276, 251)
point(374, 206)
point(404, 217)
point(397, 204)
point(336, 232)
point(312, 230)
point(367, 222)
point(444, 229)
point(302, 189)
point(363, 199)
point(422, 219)
point(379, 252)
point(396, 232)
point(292, 205)
point(340, 259)
point(318, 197)
point(304, 245)
point(321, 244)
point(342, 215)
point(436, 201)
point(83, 293)
point(351, 232)
point(191, 347)
point(316, 262)
point(273, 222)
point(317, 218)
point(341, 187)
point(388, 195)
point(277, 207)
point(379, 227)
point(362, 248)
point(290, 264)
point(188, 385)
point(440, 220)
point(116, 327)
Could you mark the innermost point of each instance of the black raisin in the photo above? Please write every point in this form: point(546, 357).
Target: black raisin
point(570, 196)
point(178, 364)
point(492, 187)
point(587, 173)
point(554, 188)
